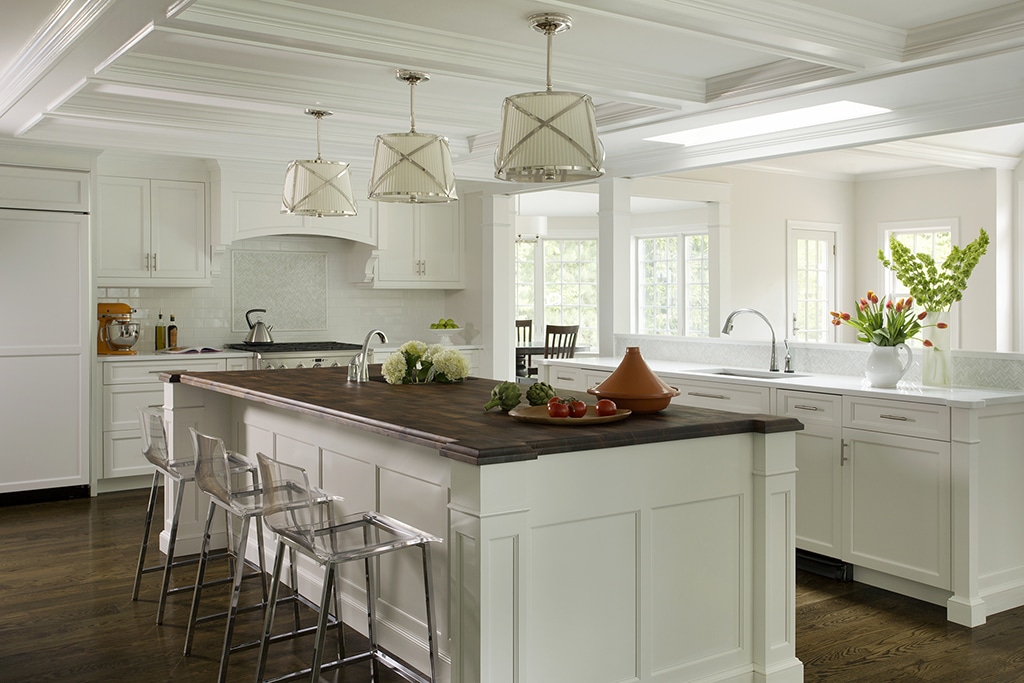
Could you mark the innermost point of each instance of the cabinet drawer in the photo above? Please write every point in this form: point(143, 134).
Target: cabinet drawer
point(121, 404)
point(906, 418)
point(128, 372)
point(735, 398)
point(810, 407)
point(562, 377)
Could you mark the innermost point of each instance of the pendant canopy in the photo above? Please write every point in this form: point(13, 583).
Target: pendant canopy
point(549, 136)
point(412, 167)
point(316, 187)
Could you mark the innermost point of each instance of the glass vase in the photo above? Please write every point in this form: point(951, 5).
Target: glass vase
point(937, 363)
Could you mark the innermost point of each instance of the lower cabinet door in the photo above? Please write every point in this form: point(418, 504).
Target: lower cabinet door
point(819, 498)
point(897, 506)
point(122, 454)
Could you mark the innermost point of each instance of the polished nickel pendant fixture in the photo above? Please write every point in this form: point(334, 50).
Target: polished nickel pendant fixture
point(549, 136)
point(317, 187)
point(412, 167)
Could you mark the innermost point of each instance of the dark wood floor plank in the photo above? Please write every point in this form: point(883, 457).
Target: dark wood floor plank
point(66, 570)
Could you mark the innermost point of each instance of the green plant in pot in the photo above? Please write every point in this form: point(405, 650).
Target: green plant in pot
point(935, 288)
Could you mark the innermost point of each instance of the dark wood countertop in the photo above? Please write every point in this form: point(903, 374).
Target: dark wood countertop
point(450, 417)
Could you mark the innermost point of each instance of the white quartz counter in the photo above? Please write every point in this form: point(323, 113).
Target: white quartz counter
point(154, 356)
point(958, 397)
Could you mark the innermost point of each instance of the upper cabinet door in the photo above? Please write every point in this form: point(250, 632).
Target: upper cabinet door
point(178, 241)
point(151, 233)
point(420, 247)
point(123, 229)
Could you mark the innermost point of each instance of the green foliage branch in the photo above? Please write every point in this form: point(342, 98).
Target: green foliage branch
point(935, 288)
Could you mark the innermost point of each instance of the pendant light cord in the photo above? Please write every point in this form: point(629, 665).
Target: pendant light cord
point(551, 35)
point(318, 117)
point(412, 110)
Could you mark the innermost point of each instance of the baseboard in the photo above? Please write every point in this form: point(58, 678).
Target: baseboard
point(44, 495)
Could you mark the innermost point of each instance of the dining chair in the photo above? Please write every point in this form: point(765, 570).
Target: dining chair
point(524, 335)
point(560, 341)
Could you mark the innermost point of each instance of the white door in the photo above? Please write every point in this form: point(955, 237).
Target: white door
point(812, 281)
point(45, 350)
point(179, 229)
point(122, 228)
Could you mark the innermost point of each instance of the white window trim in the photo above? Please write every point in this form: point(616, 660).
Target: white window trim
point(654, 231)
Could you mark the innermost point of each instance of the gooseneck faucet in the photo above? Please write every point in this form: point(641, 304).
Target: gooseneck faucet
point(359, 368)
point(727, 329)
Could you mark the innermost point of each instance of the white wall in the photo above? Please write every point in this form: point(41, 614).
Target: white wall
point(970, 196)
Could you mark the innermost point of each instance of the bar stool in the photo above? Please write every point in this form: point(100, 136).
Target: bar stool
point(154, 447)
point(317, 528)
point(218, 475)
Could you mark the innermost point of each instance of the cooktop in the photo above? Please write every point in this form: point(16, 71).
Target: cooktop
point(286, 347)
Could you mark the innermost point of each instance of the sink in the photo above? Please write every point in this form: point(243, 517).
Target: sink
point(754, 374)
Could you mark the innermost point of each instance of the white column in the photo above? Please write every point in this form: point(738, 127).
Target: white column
point(614, 220)
point(498, 283)
point(719, 272)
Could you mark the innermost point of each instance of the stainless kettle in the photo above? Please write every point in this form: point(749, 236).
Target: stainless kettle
point(258, 332)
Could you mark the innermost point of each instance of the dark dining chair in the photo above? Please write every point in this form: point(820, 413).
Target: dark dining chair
point(560, 341)
point(524, 335)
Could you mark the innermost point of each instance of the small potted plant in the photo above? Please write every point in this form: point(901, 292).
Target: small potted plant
point(935, 288)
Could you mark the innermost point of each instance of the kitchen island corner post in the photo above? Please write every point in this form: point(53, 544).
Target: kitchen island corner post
point(488, 551)
point(210, 413)
point(774, 550)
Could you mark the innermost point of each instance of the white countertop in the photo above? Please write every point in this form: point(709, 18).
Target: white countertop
point(153, 355)
point(957, 397)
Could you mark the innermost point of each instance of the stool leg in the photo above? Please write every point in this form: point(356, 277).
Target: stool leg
point(145, 535)
point(200, 576)
point(268, 620)
point(428, 589)
point(236, 589)
point(321, 624)
point(172, 539)
point(261, 548)
point(293, 576)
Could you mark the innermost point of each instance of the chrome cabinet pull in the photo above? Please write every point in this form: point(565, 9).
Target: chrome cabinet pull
point(901, 418)
point(154, 262)
point(842, 454)
point(566, 379)
point(147, 261)
point(803, 407)
point(703, 395)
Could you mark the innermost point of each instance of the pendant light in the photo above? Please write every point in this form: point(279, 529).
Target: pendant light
point(317, 187)
point(412, 167)
point(549, 136)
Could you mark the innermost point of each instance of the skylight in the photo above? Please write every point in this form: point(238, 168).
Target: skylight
point(772, 123)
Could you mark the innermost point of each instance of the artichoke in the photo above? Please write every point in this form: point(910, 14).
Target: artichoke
point(539, 393)
point(505, 395)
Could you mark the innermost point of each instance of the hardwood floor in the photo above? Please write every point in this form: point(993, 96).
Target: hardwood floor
point(66, 570)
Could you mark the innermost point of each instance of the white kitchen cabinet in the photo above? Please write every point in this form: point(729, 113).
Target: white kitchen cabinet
point(419, 247)
point(819, 453)
point(730, 396)
point(151, 232)
point(132, 384)
point(569, 378)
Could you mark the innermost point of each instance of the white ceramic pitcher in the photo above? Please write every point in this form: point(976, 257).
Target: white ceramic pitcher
point(884, 368)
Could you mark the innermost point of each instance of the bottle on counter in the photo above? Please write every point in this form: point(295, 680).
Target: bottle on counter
point(172, 334)
point(161, 332)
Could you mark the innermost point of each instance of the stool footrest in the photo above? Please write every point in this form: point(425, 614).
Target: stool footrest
point(380, 655)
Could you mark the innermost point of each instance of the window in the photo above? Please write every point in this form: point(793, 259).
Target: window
point(929, 237)
point(672, 285)
point(812, 277)
point(568, 293)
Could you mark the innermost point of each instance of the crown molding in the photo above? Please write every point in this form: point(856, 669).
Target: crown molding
point(987, 31)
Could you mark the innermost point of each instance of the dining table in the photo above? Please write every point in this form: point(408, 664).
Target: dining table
point(536, 348)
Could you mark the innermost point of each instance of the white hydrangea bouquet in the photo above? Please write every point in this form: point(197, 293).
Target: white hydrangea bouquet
point(417, 363)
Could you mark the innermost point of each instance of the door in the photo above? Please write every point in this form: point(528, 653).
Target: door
point(179, 229)
point(45, 350)
point(123, 228)
point(812, 281)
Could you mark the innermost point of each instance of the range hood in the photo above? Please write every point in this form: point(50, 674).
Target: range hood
point(245, 202)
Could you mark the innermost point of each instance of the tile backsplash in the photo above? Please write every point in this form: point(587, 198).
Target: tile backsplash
point(330, 307)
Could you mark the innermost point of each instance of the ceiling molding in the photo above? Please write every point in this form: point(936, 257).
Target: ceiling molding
point(48, 46)
point(783, 28)
point(783, 74)
point(989, 30)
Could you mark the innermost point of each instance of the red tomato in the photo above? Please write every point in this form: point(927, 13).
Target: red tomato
point(606, 407)
point(558, 410)
point(554, 399)
point(577, 408)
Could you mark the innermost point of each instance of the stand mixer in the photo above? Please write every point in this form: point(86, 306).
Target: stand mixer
point(117, 333)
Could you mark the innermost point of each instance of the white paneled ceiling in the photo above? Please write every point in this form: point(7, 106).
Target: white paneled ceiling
point(229, 79)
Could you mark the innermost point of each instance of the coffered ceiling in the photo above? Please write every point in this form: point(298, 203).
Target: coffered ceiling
point(230, 79)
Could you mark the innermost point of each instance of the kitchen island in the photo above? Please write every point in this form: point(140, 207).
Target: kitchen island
point(658, 548)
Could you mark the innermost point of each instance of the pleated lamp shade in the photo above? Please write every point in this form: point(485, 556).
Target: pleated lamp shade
point(548, 136)
point(412, 167)
point(318, 188)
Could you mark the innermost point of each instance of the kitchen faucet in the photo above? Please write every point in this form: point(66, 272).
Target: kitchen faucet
point(359, 368)
point(727, 329)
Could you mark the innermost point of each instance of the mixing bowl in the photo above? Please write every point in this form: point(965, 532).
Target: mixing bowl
point(122, 335)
